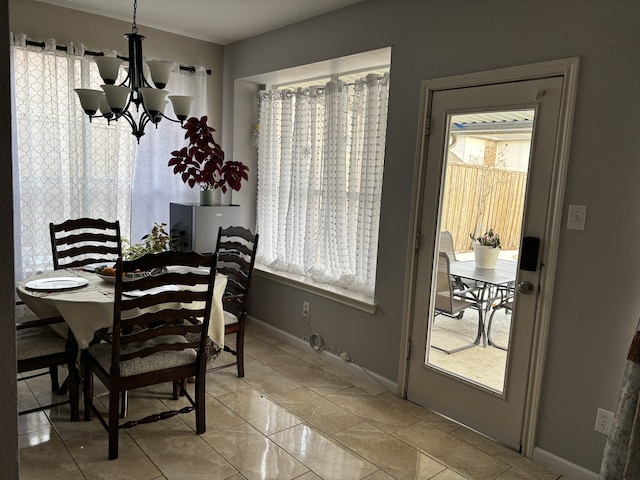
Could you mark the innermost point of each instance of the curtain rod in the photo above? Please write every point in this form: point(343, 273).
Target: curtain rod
point(63, 48)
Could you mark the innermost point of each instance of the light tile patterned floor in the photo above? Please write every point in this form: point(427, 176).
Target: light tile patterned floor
point(293, 416)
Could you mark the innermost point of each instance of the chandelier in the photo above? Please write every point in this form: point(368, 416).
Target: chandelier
point(115, 101)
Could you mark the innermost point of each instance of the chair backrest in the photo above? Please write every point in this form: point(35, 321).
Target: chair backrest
point(236, 248)
point(169, 308)
point(82, 241)
point(446, 245)
point(444, 290)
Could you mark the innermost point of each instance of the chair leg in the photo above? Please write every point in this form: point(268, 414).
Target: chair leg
point(88, 393)
point(201, 422)
point(53, 373)
point(240, 348)
point(74, 394)
point(124, 404)
point(114, 402)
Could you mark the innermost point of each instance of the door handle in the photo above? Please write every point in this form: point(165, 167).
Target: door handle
point(525, 288)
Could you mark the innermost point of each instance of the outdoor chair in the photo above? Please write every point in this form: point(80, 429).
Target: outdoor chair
point(506, 304)
point(452, 302)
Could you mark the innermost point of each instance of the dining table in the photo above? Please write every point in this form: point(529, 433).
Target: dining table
point(85, 300)
point(491, 283)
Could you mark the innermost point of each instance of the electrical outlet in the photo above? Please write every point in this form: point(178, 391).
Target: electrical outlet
point(604, 421)
point(305, 310)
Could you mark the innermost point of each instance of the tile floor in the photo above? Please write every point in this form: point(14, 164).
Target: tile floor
point(293, 416)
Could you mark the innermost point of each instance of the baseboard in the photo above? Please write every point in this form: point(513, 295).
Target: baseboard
point(351, 367)
point(569, 471)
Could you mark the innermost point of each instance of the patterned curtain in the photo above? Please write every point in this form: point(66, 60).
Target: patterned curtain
point(621, 458)
point(64, 167)
point(320, 166)
point(67, 167)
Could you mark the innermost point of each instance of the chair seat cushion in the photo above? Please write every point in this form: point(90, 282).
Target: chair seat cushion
point(38, 342)
point(230, 318)
point(101, 352)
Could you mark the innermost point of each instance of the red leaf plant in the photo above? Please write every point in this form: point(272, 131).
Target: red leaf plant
point(202, 163)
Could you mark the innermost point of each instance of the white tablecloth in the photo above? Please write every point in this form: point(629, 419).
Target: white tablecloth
point(88, 309)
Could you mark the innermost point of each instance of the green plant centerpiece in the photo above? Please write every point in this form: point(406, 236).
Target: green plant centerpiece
point(486, 248)
point(201, 162)
point(158, 240)
point(488, 238)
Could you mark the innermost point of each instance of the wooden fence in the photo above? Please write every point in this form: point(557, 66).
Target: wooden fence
point(477, 195)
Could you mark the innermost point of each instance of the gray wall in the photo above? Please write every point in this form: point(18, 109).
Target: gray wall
point(8, 393)
point(595, 306)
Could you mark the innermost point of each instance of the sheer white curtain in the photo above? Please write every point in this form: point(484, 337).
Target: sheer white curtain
point(154, 183)
point(320, 168)
point(67, 167)
point(64, 167)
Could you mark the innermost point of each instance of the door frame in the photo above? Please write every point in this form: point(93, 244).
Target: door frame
point(568, 69)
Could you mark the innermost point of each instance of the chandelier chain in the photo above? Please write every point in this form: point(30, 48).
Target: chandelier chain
point(134, 26)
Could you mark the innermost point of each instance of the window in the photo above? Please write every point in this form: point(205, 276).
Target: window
point(320, 167)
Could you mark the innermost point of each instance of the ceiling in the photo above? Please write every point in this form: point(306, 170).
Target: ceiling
point(217, 21)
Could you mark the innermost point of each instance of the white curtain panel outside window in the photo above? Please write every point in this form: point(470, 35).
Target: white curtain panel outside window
point(67, 167)
point(320, 169)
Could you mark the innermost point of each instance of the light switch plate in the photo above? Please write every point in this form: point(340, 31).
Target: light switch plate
point(577, 217)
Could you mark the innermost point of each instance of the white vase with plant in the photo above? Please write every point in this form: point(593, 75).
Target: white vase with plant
point(486, 248)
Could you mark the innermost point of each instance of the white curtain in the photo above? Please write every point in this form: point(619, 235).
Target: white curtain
point(621, 457)
point(320, 166)
point(64, 166)
point(67, 167)
point(154, 183)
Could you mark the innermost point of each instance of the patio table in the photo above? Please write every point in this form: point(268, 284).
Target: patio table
point(504, 275)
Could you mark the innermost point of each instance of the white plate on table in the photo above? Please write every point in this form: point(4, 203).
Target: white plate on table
point(56, 283)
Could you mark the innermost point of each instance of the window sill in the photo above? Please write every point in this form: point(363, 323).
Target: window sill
point(340, 295)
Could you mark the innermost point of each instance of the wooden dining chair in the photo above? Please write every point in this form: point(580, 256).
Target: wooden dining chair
point(83, 241)
point(236, 248)
point(39, 351)
point(451, 302)
point(159, 334)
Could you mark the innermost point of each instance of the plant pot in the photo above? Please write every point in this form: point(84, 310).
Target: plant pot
point(209, 197)
point(486, 257)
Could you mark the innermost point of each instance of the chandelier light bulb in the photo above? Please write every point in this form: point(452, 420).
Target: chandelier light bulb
point(90, 99)
point(160, 71)
point(117, 97)
point(181, 106)
point(109, 68)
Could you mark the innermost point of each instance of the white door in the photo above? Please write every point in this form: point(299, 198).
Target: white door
point(445, 382)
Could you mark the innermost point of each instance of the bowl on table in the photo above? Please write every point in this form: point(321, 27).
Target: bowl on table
point(108, 274)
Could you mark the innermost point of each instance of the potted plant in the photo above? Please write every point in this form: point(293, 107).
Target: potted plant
point(158, 240)
point(486, 248)
point(201, 162)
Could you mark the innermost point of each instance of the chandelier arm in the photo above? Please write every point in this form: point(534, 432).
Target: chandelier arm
point(136, 130)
